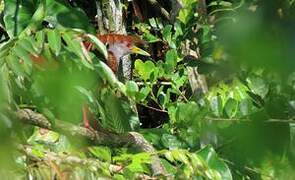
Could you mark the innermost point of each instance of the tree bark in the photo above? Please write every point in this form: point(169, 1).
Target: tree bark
point(101, 137)
point(110, 20)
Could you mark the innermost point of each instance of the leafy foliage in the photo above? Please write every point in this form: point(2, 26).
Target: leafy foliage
point(236, 123)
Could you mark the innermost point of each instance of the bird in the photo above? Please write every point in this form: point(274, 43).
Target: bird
point(118, 45)
point(121, 45)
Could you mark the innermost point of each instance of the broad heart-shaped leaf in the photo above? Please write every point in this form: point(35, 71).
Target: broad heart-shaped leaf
point(144, 69)
point(217, 168)
point(18, 14)
point(54, 40)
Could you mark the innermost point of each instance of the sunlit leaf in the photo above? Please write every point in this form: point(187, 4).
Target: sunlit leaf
point(144, 69)
point(101, 152)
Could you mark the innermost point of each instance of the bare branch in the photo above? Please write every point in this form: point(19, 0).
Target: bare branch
point(97, 137)
point(159, 8)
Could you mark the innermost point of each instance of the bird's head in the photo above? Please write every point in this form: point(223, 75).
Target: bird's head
point(121, 45)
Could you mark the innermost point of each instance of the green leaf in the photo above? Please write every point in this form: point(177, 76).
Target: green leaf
point(216, 105)
point(101, 152)
point(15, 65)
point(28, 44)
point(131, 88)
point(258, 86)
point(17, 15)
point(54, 40)
point(187, 113)
point(6, 47)
point(74, 45)
point(150, 38)
point(117, 114)
point(36, 20)
point(169, 167)
point(37, 152)
point(231, 107)
point(153, 135)
point(24, 58)
point(144, 69)
point(167, 33)
point(171, 58)
point(143, 93)
point(245, 107)
point(62, 14)
point(168, 156)
point(179, 155)
point(170, 141)
point(98, 44)
point(106, 73)
point(217, 168)
point(40, 40)
point(138, 163)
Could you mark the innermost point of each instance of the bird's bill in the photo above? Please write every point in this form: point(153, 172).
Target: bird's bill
point(137, 50)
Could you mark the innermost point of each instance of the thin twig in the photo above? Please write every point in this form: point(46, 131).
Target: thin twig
point(165, 83)
point(158, 7)
point(155, 109)
point(271, 120)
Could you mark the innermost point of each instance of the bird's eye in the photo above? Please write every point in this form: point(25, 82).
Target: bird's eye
point(129, 45)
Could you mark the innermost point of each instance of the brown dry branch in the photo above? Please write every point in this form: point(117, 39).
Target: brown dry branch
point(97, 137)
point(159, 8)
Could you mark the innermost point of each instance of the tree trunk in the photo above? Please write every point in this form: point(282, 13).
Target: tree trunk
point(110, 20)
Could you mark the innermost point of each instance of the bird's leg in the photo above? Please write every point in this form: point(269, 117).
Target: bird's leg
point(85, 116)
point(89, 120)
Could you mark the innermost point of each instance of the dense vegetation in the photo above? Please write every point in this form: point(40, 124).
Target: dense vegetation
point(215, 100)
